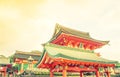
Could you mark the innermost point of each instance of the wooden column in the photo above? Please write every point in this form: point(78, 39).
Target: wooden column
point(97, 74)
point(81, 74)
point(4, 73)
point(64, 71)
point(51, 72)
point(22, 65)
point(108, 74)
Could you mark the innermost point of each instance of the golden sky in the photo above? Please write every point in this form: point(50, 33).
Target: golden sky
point(26, 24)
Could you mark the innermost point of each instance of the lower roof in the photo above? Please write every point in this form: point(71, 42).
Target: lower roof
point(25, 56)
point(56, 51)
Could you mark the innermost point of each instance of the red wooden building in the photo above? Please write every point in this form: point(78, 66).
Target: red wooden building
point(73, 51)
point(21, 59)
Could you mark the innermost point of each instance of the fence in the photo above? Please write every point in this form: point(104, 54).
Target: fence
point(117, 75)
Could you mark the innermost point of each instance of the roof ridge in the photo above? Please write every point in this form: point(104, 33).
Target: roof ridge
point(64, 28)
point(26, 53)
point(72, 29)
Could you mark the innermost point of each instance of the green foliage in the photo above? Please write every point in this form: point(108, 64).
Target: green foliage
point(11, 58)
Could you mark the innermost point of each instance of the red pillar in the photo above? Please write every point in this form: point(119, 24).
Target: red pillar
point(51, 73)
point(97, 74)
point(64, 71)
point(4, 73)
point(108, 74)
point(81, 74)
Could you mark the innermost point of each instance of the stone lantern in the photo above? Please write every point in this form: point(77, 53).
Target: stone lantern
point(30, 62)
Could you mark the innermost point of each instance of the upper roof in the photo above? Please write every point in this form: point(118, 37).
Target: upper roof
point(61, 29)
point(26, 55)
point(56, 51)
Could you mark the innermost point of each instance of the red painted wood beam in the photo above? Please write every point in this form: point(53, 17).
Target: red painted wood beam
point(83, 63)
point(83, 40)
point(75, 69)
point(58, 39)
point(63, 39)
point(73, 63)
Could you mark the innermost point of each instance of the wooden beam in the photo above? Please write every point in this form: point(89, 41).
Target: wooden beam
point(75, 69)
point(82, 40)
point(108, 74)
point(97, 74)
point(60, 37)
point(46, 59)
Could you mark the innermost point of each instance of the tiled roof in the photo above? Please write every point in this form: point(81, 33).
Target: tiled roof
point(26, 55)
point(56, 51)
point(61, 29)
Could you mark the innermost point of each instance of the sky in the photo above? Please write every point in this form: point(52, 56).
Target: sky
point(26, 24)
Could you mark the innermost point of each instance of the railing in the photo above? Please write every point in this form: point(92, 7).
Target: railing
point(117, 75)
